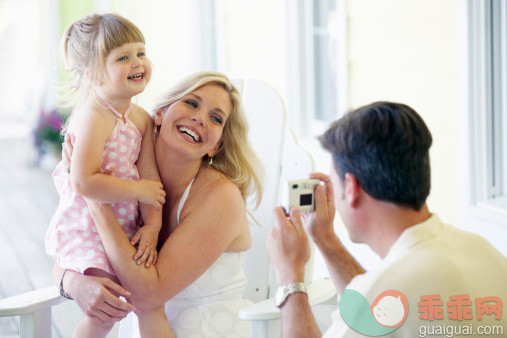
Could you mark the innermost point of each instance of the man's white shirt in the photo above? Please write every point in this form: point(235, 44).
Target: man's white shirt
point(434, 259)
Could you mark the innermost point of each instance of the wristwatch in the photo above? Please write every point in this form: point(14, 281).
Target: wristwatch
point(285, 291)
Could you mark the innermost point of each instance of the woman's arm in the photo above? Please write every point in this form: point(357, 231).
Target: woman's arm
point(204, 234)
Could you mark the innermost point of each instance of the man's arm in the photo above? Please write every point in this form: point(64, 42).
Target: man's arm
point(341, 265)
point(289, 250)
point(297, 318)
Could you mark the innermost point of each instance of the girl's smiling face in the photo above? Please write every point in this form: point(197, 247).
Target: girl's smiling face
point(127, 71)
point(194, 123)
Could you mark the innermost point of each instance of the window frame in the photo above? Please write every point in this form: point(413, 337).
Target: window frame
point(483, 123)
point(301, 72)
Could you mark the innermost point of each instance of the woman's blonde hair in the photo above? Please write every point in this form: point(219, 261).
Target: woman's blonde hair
point(236, 158)
point(85, 45)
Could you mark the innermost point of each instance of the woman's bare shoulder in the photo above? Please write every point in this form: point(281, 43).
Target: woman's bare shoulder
point(216, 184)
point(215, 191)
point(218, 201)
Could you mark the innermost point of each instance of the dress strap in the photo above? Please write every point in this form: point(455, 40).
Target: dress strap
point(182, 200)
point(113, 109)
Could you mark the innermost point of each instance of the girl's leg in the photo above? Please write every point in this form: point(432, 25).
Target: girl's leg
point(93, 327)
point(154, 324)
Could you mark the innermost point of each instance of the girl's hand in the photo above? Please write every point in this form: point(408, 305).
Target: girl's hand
point(146, 253)
point(151, 192)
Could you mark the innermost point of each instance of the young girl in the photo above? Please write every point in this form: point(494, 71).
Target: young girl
point(106, 59)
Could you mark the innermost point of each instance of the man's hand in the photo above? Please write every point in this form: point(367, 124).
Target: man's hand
point(319, 224)
point(147, 237)
point(288, 247)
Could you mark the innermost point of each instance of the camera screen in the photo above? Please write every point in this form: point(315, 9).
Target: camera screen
point(305, 199)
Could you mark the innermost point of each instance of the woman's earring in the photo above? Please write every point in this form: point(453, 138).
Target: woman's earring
point(210, 162)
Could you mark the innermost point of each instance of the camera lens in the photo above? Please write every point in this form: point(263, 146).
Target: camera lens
point(294, 186)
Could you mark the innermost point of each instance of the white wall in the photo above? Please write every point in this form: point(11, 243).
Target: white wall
point(405, 51)
point(399, 50)
point(171, 32)
point(253, 39)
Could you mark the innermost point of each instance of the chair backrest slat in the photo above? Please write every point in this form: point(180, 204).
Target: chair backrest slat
point(266, 118)
point(282, 159)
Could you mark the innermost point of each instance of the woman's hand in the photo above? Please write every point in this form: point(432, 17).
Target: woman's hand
point(98, 296)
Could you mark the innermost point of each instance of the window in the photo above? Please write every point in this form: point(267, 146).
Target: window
point(317, 62)
point(207, 34)
point(485, 129)
point(317, 83)
point(324, 59)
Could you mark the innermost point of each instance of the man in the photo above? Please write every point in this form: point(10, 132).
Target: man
point(453, 281)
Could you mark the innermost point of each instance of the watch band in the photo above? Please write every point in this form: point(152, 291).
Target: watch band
point(283, 292)
point(60, 287)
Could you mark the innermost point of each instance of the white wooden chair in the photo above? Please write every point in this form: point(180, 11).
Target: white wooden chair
point(282, 162)
point(283, 159)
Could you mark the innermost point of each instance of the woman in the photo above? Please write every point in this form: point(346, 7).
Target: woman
point(207, 168)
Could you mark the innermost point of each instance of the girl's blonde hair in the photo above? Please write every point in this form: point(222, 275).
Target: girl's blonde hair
point(236, 158)
point(85, 46)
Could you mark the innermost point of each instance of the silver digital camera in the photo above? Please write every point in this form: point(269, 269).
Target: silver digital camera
point(301, 194)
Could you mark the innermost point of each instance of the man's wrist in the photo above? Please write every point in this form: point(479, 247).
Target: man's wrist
point(328, 242)
point(289, 277)
point(285, 291)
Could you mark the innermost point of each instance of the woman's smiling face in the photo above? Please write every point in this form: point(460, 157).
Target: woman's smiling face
point(194, 123)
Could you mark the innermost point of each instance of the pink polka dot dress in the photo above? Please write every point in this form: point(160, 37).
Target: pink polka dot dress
point(72, 238)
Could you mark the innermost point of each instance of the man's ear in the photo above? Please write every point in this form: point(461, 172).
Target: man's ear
point(352, 189)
